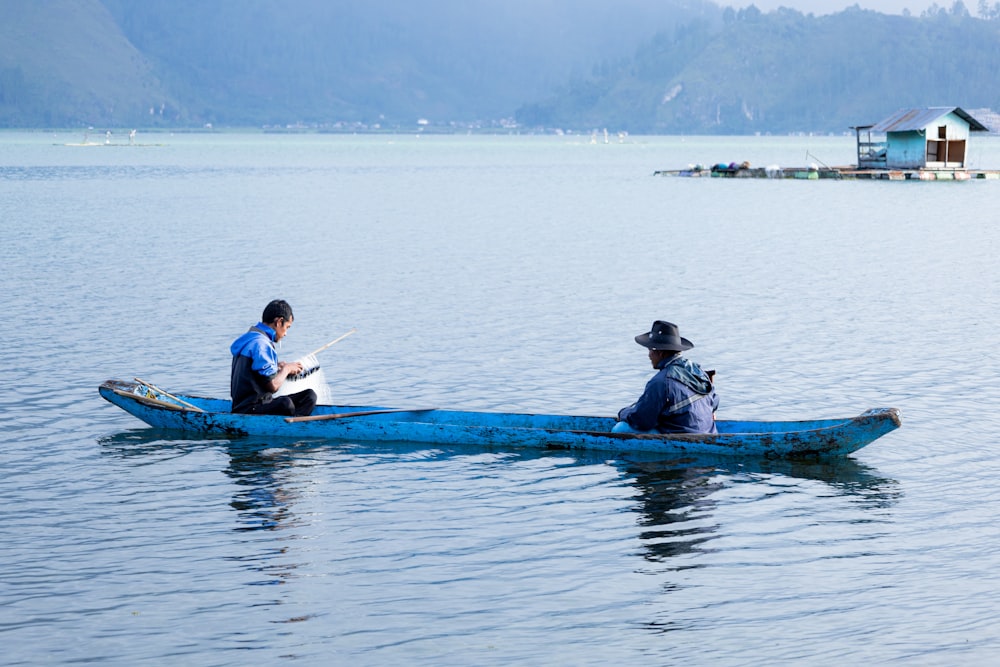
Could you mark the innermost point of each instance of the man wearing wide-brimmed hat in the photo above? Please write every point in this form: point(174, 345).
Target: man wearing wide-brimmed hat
point(680, 398)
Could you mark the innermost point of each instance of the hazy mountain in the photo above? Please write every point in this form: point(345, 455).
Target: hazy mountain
point(668, 66)
point(65, 62)
point(785, 71)
point(249, 62)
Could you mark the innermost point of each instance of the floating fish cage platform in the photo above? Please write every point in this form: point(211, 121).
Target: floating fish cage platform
point(838, 173)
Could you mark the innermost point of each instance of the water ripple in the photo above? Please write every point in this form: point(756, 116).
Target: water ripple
point(504, 273)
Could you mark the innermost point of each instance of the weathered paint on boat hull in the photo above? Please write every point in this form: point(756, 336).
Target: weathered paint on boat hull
point(790, 439)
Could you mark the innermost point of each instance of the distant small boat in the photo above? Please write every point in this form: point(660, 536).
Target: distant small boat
point(769, 439)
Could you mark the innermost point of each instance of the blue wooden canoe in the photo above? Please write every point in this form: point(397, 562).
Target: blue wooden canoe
point(770, 439)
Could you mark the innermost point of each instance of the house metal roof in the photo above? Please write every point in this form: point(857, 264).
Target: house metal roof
point(906, 120)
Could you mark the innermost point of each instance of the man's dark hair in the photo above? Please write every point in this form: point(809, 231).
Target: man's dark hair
point(275, 309)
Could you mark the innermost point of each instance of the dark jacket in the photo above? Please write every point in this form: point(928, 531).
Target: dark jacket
point(255, 362)
point(680, 398)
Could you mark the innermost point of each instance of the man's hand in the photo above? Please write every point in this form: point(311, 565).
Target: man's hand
point(285, 368)
point(289, 368)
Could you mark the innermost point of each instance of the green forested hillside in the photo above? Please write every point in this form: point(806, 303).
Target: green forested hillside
point(662, 66)
point(786, 72)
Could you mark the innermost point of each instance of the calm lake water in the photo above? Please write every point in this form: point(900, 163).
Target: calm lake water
point(499, 273)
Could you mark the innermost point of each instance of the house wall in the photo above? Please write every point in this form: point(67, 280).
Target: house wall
point(905, 150)
point(957, 128)
point(908, 150)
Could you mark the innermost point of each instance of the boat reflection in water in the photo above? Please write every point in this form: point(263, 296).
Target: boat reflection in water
point(675, 505)
point(264, 482)
point(677, 498)
point(264, 494)
point(304, 490)
point(260, 474)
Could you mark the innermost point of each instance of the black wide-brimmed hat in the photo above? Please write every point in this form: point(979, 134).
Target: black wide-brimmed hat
point(664, 336)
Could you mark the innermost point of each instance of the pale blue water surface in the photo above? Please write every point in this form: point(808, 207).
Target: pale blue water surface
point(498, 273)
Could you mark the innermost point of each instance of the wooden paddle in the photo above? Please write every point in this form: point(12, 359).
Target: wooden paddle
point(170, 396)
point(345, 415)
point(149, 400)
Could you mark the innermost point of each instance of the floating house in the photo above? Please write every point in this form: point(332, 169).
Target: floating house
point(933, 138)
point(926, 144)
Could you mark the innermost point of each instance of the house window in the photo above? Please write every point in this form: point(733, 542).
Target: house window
point(942, 132)
point(948, 152)
point(956, 152)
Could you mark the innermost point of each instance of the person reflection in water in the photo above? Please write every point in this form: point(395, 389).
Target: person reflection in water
point(680, 398)
point(256, 372)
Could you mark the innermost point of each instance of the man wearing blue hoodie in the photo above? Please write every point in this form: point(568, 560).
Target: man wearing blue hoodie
point(680, 398)
point(256, 372)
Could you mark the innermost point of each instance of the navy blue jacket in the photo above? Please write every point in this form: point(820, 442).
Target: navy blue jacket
point(255, 361)
point(680, 398)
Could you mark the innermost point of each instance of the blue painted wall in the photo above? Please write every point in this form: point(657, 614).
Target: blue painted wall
point(908, 150)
